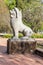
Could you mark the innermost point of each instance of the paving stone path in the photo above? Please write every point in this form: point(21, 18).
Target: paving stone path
point(17, 59)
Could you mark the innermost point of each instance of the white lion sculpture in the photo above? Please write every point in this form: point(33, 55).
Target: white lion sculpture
point(17, 24)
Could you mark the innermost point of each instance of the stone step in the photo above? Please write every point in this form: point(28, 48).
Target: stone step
point(39, 51)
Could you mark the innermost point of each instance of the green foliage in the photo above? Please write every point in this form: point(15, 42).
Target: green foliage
point(8, 36)
point(10, 3)
point(37, 35)
point(20, 35)
point(32, 13)
point(4, 18)
point(4, 28)
point(11, 35)
point(22, 4)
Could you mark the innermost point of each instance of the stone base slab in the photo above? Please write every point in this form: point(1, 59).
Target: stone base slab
point(21, 46)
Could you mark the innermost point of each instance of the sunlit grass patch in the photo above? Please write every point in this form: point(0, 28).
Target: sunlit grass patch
point(37, 35)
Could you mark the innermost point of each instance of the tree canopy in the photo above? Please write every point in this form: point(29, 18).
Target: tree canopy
point(32, 11)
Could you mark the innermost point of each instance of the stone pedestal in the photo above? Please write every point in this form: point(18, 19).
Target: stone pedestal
point(20, 46)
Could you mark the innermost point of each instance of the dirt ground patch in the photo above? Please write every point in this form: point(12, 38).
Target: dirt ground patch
point(17, 59)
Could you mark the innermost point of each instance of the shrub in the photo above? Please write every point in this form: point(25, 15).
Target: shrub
point(20, 35)
point(7, 35)
point(11, 35)
point(37, 35)
point(10, 3)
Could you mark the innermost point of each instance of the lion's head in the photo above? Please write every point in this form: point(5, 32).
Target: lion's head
point(15, 13)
